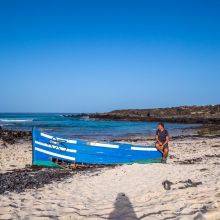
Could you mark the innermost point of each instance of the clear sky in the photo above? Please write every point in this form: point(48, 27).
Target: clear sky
point(95, 56)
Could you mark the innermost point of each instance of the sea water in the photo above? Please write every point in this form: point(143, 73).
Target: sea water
point(83, 127)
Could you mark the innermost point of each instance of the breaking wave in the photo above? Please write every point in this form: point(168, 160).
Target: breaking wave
point(16, 120)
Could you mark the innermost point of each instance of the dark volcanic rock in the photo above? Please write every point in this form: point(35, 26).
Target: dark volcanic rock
point(190, 161)
point(209, 130)
point(216, 146)
point(33, 177)
point(211, 156)
point(11, 136)
point(19, 180)
point(182, 114)
point(81, 115)
point(167, 184)
point(189, 183)
point(203, 169)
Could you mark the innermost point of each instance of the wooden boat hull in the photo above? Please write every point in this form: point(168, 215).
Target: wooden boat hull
point(47, 148)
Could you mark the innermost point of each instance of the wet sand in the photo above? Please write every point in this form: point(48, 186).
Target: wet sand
point(187, 187)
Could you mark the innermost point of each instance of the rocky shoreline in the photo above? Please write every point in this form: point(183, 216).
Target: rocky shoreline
point(205, 130)
point(174, 119)
point(12, 136)
point(209, 114)
point(184, 114)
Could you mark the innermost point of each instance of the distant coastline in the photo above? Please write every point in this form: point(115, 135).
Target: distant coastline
point(209, 114)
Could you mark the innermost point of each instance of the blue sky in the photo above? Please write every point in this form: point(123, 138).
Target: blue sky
point(95, 56)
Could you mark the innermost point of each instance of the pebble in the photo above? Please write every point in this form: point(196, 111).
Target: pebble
point(167, 184)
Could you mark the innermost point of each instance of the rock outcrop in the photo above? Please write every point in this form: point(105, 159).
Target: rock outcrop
point(182, 114)
point(11, 136)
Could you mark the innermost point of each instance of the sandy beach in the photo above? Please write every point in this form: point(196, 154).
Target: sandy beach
point(187, 187)
point(110, 110)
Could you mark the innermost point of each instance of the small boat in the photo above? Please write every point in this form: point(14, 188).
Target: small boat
point(47, 149)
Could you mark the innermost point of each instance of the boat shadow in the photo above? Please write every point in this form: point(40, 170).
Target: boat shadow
point(123, 209)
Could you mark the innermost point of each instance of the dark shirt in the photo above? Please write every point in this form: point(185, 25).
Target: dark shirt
point(162, 135)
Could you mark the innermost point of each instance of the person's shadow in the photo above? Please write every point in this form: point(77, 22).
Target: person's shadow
point(123, 209)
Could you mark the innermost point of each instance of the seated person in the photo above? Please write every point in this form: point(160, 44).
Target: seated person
point(162, 139)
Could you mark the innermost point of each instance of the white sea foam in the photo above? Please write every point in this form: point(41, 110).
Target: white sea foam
point(16, 120)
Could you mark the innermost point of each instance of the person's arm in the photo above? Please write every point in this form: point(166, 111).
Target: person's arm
point(167, 140)
point(157, 139)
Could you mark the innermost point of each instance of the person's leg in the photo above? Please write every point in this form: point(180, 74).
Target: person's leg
point(159, 147)
point(165, 151)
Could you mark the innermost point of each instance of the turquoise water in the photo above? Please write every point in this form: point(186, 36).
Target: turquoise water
point(82, 128)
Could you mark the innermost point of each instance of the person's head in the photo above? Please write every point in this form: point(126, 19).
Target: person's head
point(160, 126)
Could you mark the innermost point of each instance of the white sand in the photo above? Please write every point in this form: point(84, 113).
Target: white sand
point(125, 192)
point(15, 156)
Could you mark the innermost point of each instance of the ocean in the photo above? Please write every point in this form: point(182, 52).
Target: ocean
point(82, 127)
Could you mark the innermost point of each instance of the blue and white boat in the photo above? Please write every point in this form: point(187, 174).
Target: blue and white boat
point(47, 148)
